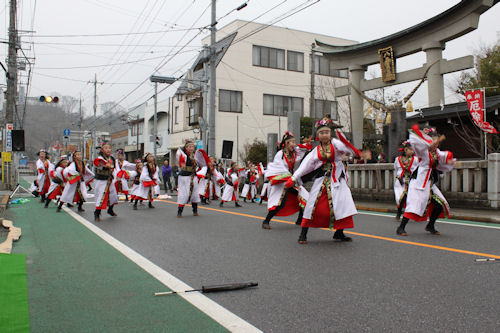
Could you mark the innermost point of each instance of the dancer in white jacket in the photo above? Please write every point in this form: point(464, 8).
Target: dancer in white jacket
point(78, 176)
point(425, 200)
point(149, 186)
point(286, 201)
point(44, 166)
point(330, 203)
point(122, 173)
point(193, 167)
point(404, 165)
point(105, 190)
point(57, 181)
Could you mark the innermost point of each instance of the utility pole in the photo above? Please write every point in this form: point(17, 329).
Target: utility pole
point(211, 116)
point(12, 65)
point(11, 82)
point(137, 139)
point(155, 120)
point(312, 112)
point(94, 137)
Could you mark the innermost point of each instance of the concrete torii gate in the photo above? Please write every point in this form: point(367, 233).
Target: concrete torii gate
point(429, 36)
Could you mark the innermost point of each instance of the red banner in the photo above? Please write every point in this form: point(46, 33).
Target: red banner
point(475, 101)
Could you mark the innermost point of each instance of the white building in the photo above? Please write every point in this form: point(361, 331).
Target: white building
point(262, 72)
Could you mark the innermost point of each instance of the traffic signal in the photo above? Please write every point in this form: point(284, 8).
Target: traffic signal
point(49, 99)
point(158, 141)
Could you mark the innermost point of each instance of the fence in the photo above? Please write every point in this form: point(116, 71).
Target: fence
point(469, 184)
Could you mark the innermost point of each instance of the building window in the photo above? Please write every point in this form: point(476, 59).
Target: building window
point(133, 129)
point(176, 112)
point(194, 112)
point(276, 105)
point(268, 57)
point(324, 107)
point(230, 100)
point(179, 97)
point(322, 66)
point(295, 61)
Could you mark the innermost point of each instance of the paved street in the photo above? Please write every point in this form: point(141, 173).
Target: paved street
point(379, 282)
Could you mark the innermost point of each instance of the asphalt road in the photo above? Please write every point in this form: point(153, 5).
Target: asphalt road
point(369, 285)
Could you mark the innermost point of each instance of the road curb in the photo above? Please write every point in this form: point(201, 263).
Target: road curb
point(452, 216)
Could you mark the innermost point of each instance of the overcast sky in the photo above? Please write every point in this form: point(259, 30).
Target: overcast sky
point(65, 63)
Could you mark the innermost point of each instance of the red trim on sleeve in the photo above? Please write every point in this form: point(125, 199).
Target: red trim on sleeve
point(348, 144)
point(52, 174)
point(419, 133)
point(182, 160)
point(308, 146)
point(41, 170)
point(449, 157)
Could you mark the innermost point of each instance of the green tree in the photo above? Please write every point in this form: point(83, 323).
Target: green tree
point(306, 125)
point(255, 152)
point(486, 73)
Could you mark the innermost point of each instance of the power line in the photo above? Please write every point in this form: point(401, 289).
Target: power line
point(117, 34)
point(77, 80)
point(115, 64)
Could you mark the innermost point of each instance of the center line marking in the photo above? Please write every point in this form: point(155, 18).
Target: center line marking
point(436, 247)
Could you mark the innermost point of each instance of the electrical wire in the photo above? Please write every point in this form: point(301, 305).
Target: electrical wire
point(115, 64)
point(118, 34)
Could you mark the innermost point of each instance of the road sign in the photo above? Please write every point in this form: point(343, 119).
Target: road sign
point(66, 132)
point(6, 157)
point(199, 144)
point(8, 137)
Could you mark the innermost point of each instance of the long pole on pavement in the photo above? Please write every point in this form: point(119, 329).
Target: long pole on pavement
point(211, 116)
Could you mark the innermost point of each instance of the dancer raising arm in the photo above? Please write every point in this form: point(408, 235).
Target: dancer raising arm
point(425, 200)
point(330, 203)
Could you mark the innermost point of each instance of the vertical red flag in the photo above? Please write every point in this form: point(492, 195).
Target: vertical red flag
point(475, 101)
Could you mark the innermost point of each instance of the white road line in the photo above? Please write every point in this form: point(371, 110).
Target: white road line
point(220, 314)
point(493, 226)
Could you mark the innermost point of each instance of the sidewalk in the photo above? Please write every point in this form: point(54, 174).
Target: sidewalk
point(477, 215)
point(77, 282)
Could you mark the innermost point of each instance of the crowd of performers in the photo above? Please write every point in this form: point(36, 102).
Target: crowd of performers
point(327, 204)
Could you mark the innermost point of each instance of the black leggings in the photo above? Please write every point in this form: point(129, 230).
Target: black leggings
point(437, 209)
point(275, 211)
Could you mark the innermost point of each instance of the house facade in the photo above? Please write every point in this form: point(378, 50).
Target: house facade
point(262, 73)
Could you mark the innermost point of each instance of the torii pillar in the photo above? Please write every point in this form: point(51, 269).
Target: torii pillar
point(435, 81)
point(356, 75)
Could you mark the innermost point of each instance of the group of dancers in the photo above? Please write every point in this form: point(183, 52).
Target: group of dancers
point(69, 180)
point(327, 204)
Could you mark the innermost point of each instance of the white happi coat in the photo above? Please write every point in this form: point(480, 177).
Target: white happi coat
point(217, 182)
point(214, 183)
point(101, 186)
point(189, 186)
point(148, 182)
point(135, 187)
point(278, 172)
point(399, 174)
point(42, 172)
point(342, 202)
point(122, 174)
point(251, 187)
point(231, 191)
point(420, 188)
point(73, 178)
point(58, 172)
